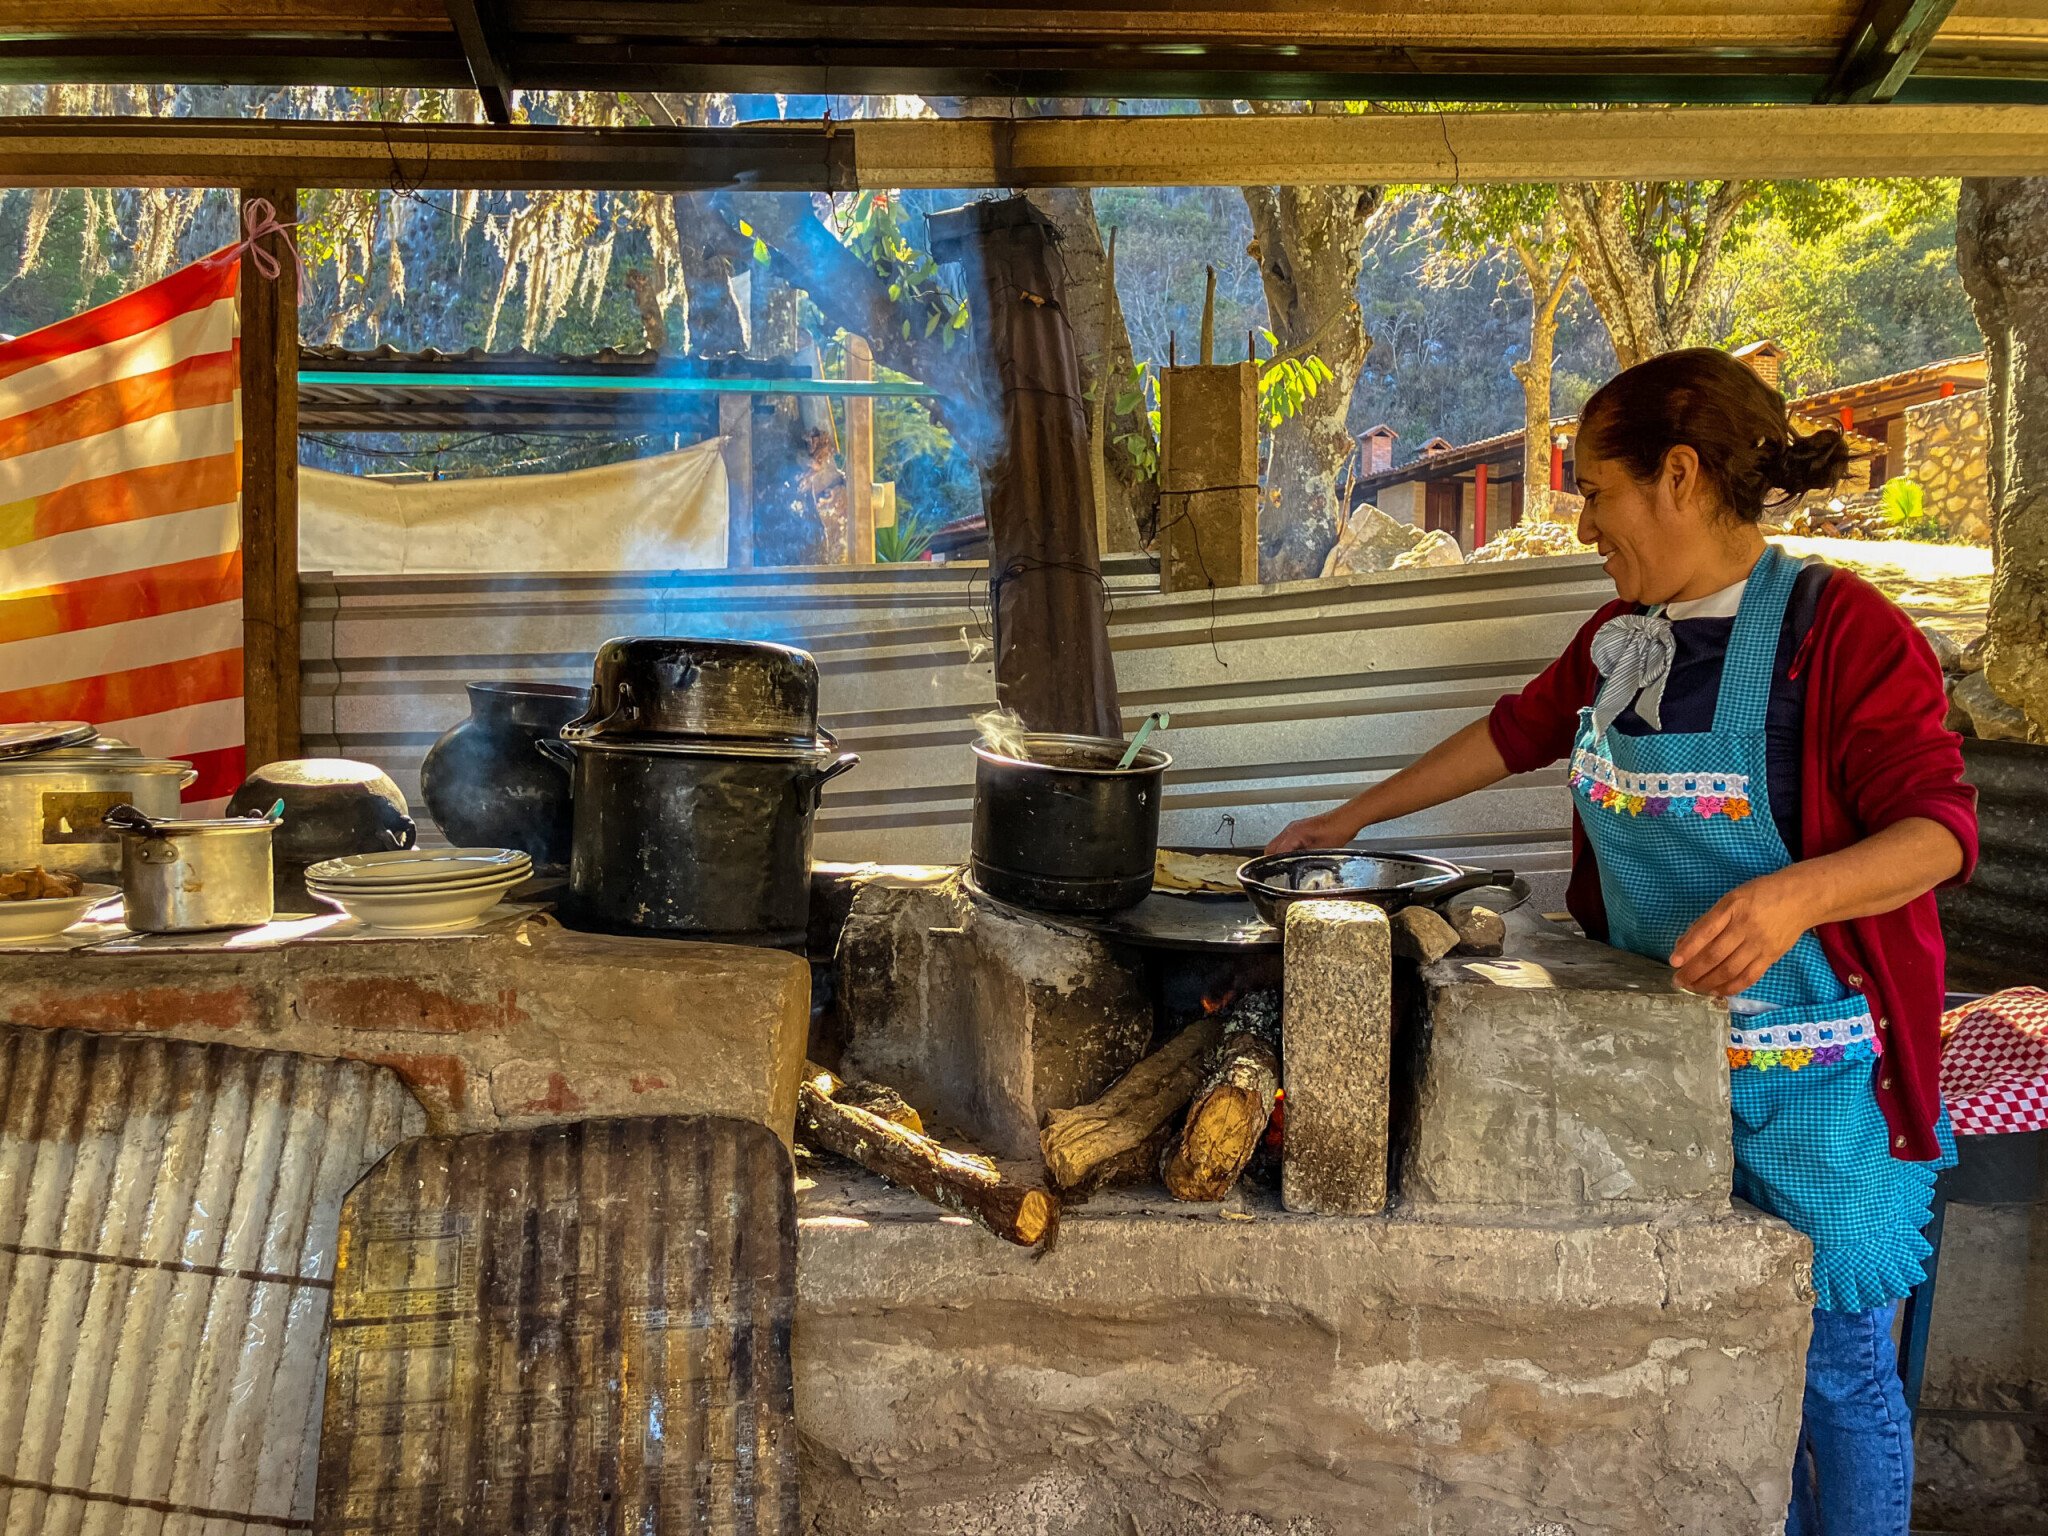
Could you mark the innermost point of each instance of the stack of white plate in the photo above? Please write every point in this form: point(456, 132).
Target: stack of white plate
point(420, 890)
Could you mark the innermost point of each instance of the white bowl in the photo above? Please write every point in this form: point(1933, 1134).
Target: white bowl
point(23, 922)
point(417, 866)
point(417, 911)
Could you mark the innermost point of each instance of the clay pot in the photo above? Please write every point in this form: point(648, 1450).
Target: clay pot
point(486, 784)
point(332, 806)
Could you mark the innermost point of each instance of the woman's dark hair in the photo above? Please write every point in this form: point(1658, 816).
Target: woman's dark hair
point(1719, 408)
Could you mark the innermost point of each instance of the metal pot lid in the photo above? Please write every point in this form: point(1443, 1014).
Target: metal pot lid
point(824, 744)
point(33, 736)
point(102, 756)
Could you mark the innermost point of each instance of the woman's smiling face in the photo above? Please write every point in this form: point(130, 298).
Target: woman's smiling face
point(1655, 534)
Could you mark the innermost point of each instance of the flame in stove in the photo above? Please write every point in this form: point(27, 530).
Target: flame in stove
point(1215, 1005)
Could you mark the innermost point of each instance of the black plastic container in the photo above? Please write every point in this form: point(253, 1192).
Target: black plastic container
point(485, 785)
point(1062, 828)
point(694, 841)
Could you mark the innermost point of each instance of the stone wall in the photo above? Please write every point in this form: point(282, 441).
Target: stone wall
point(1948, 452)
point(1188, 1371)
point(521, 1023)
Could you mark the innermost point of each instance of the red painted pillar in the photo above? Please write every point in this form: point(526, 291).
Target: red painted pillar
point(1948, 387)
point(1848, 419)
point(1479, 507)
point(1556, 465)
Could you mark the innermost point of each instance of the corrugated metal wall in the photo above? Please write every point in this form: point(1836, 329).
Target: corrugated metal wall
point(168, 1217)
point(573, 1329)
point(1285, 698)
point(1997, 925)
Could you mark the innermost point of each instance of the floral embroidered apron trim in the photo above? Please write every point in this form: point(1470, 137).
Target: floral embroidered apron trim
point(1658, 794)
point(1792, 1058)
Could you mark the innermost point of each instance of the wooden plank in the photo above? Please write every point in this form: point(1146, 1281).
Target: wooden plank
point(270, 493)
point(1884, 48)
point(1475, 146)
point(860, 454)
point(480, 50)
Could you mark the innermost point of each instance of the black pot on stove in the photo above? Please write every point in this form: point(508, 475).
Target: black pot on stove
point(694, 839)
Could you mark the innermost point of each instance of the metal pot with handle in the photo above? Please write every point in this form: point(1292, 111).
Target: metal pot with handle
point(56, 787)
point(188, 876)
point(1388, 880)
point(694, 839)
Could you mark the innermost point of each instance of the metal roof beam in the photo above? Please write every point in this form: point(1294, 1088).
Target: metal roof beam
point(1625, 144)
point(1883, 49)
point(482, 52)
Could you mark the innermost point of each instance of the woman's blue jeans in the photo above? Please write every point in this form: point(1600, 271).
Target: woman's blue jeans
point(1853, 1473)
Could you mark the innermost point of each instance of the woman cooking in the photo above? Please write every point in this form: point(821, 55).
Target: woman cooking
point(1765, 796)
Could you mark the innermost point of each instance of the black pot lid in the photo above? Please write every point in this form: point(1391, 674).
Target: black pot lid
point(32, 736)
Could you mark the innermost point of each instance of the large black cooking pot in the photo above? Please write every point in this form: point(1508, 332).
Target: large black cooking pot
point(740, 690)
point(694, 841)
point(1060, 828)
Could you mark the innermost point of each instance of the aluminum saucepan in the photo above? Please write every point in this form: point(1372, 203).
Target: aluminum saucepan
point(1387, 880)
point(188, 876)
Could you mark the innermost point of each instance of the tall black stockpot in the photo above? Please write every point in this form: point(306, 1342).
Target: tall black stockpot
point(694, 840)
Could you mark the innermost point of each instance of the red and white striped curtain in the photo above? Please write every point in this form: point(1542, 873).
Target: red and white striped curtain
point(120, 523)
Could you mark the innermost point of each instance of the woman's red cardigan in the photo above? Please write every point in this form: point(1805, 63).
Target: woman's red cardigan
point(1876, 752)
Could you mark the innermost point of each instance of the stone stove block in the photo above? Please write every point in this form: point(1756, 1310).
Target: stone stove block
point(983, 1016)
point(1565, 1076)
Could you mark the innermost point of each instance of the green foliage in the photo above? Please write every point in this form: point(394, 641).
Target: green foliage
point(1870, 293)
point(1904, 504)
point(902, 542)
point(873, 226)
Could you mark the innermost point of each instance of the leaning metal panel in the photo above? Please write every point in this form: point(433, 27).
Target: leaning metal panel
point(168, 1215)
point(577, 1329)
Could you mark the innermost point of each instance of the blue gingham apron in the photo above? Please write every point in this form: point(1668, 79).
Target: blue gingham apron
point(1678, 820)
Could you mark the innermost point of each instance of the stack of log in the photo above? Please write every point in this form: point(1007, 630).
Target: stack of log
point(1223, 1070)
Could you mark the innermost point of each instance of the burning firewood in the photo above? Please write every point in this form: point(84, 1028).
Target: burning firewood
point(1231, 1108)
point(1078, 1141)
point(971, 1186)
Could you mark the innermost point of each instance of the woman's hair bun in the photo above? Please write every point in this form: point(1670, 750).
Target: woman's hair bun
point(1805, 461)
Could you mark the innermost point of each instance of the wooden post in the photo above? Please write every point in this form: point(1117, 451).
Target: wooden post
point(1479, 506)
point(736, 448)
point(1556, 465)
point(860, 455)
point(270, 493)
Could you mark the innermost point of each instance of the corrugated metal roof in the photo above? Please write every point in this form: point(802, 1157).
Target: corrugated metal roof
point(168, 1216)
point(574, 1329)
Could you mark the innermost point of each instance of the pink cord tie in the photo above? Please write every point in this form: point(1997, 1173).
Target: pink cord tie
point(259, 218)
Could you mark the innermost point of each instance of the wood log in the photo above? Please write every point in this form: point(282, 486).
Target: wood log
point(1019, 1213)
point(1225, 1121)
point(1078, 1141)
point(880, 1099)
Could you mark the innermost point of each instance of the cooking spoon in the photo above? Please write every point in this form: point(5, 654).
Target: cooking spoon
point(1157, 718)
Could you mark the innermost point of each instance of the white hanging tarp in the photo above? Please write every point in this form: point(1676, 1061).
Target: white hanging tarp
point(665, 513)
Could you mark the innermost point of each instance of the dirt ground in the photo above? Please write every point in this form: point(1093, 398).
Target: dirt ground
point(1947, 586)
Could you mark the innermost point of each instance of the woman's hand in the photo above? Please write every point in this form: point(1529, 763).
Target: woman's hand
point(1329, 830)
point(1743, 934)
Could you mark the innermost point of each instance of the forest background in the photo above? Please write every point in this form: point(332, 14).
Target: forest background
point(1854, 279)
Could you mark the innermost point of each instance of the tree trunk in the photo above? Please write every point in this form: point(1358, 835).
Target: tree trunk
point(706, 248)
point(1104, 342)
point(1309, 243)
point(2002, 253)
point(1646, 286)
point(1547, 285)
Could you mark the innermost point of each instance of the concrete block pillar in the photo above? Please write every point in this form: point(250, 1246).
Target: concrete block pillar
point(1208, 477)
point(1335, 1039)
point(1568, 1077)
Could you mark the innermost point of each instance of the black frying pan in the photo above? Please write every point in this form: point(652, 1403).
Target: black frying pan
point(1387, 880)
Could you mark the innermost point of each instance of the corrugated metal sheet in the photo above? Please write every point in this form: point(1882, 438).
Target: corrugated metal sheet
point(1997, 925)
point(576, 1329)
point(1285, 699)
point(168, 1215)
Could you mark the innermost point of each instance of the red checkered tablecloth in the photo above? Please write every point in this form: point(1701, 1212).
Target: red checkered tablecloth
point(1994, 1063)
